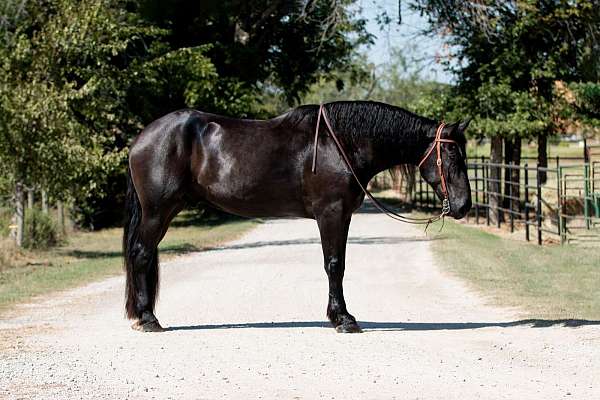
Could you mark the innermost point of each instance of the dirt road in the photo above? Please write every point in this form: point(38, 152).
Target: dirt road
point(247, 322)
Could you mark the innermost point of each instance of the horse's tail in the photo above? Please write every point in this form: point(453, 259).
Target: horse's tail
point(131, 250)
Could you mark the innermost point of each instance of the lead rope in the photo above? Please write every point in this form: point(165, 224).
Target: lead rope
point(381, 207)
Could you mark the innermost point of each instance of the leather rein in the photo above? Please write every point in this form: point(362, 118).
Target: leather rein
point(436, 144)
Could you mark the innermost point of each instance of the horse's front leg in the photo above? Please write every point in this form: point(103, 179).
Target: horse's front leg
point(333, 225)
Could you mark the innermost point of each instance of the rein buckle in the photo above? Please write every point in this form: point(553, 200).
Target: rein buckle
point(445, 206)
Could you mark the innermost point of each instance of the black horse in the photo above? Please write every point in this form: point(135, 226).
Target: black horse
point(263, 168)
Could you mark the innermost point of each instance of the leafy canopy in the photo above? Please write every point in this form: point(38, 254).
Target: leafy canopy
point(508, 57)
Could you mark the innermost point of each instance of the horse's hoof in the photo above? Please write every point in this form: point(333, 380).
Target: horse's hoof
point(348, 328)
point(151, 326)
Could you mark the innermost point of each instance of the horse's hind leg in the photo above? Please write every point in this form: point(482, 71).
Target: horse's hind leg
point(333, 226)
point(147, 222)
point(143, 276)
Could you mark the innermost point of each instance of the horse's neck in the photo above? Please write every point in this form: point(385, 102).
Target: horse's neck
point(387, 155)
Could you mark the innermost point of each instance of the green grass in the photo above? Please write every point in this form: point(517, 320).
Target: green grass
point(550, 282)
point(91, 256)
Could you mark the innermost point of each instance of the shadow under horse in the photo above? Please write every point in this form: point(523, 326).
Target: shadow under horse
point(400, 326)
point(264, 168)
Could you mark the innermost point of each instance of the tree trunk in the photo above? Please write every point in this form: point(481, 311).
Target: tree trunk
point(19, 214)
point(516, 174)
point(406, 181)
point(508, 158)
point(543, 156)
point(44, 202)
point(494, 179)
point(29, 199)
point(60, 211)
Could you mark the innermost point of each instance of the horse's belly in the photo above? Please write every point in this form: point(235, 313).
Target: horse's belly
point(256, 196)
point(236, 175)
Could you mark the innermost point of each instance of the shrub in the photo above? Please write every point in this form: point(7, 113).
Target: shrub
point(5, 221)
point(40, 231)
point(8, 253)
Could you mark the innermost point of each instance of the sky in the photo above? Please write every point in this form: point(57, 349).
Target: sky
point(401, 36)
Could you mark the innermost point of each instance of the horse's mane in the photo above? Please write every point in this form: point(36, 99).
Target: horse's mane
point(356, 120)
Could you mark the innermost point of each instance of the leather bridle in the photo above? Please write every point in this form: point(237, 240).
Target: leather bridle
point(436, 144)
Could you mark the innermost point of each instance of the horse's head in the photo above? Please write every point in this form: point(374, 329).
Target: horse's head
point(443, 166)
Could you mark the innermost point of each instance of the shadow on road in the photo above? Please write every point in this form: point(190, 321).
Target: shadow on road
point(168, 249)
point(398, 326)
point(187, 248)
point(351, 240)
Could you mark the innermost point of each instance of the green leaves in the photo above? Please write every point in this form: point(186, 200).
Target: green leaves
point(513, 54)
point(287, 44)
point(62, 94)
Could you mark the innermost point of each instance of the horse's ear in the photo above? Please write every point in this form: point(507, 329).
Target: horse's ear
point(463, 125)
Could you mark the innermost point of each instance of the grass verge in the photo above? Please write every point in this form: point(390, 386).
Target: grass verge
point(94, 255)
point(550, 282)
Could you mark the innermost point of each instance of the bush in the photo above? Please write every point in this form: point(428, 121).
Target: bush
point(103, 208)
point(5, 221)
point(40, 231)
point(10, 255)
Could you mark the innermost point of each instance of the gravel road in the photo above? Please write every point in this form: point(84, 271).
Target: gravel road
point(248, 322)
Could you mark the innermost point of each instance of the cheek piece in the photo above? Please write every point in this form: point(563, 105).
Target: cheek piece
point(437, 145)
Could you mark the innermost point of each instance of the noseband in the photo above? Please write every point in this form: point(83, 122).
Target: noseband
point(435, 145)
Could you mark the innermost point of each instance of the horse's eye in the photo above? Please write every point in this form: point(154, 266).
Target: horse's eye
point(456, 151)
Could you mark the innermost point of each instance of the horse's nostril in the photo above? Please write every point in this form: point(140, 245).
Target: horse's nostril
point(462, 209)
point(465, 208)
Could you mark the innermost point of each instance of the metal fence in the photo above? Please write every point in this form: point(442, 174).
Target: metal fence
point(557, 204)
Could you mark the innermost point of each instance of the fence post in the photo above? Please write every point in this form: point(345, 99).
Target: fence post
point(487, 195)
point(586, 195)
point(476, 193)
point(30, 198)
point(538, 209)
point(44, 201)
point(433, 196)
point(500, 196)
point(60, 217)
point(526, 202)
point(559, 221)
point(425, 200)
point(510, 199)
point(413, 191)
point(19, 213)
point(421, 192)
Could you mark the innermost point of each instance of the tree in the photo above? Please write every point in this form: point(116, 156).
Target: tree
point(508, 58)
point(65, 68)
point(509, 55)
point(286, 44)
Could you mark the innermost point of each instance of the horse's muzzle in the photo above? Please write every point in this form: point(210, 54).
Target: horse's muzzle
point(461, 211)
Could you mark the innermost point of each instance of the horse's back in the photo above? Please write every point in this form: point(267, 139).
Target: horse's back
point(247, 167)
point(250, 167)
